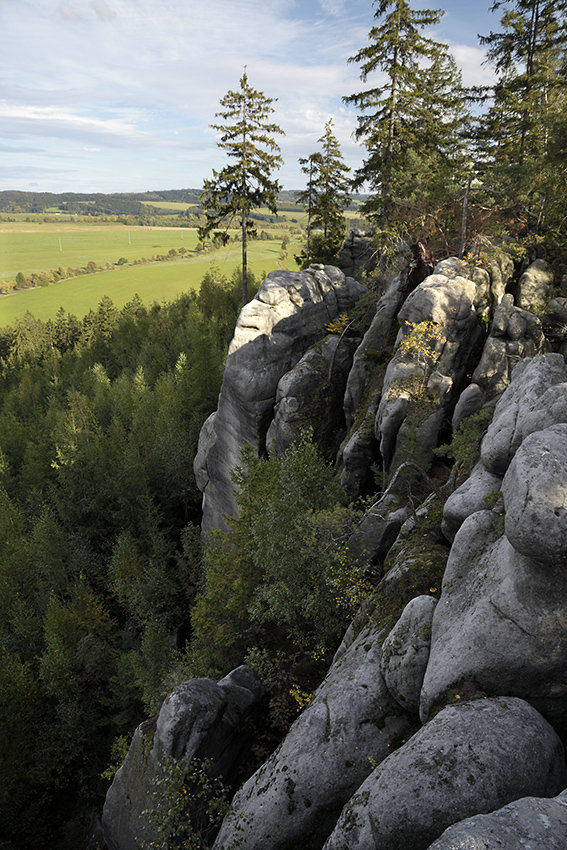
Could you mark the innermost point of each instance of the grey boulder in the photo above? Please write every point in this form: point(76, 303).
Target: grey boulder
point(514, 335)
point(405, 652)
point(535, 496)
point(200, 719)
point(535, 399)
point(501, 622)
point(469, 498)
point(535, 287)
point(471, 758)
point(295, 798)
point(532, 823)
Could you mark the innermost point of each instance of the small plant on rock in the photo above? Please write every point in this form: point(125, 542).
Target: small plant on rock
point(189, 806)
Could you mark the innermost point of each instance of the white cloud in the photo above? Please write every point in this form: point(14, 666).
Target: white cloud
point(102, 10)
point(141, 80)
point(68, 14)
point(333, 7)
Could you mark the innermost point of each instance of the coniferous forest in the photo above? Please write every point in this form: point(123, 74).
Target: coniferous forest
point(99, 543)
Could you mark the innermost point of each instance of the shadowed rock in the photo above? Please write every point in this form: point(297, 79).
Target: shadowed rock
point(531, 823)
point(294, 799)
point(200, 719)
point(471, 758)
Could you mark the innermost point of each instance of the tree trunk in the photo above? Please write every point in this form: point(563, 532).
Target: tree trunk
point(464, 218)
point(244, 261)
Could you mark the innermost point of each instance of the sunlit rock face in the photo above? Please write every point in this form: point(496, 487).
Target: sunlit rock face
point(288, 315)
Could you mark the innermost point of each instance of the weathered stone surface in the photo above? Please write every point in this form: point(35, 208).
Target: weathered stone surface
point(554, 322)
point(206, 437)
point(373, 539)
point(468, 499)
point(371, 349)
point(405, 652)
point(199, 719)
point(535, 496)
point(441, 300)
point(532, 823)
point(358, 254)
point(501, 622)
point(360, 452)
point(296, 796)
point(535, 399)
point(501, 273)
point(535, 287)
point(514, 335)
point(449, 305)
point(471, 758)
point(309, 397)
point(274, 330)
point(453, 268)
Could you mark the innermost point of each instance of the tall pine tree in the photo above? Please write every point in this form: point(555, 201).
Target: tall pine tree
point(410, 124)
point(246, 183)
point(326, 197)
point(528, 101)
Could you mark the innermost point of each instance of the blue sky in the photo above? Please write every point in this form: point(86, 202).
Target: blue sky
point(118, 95)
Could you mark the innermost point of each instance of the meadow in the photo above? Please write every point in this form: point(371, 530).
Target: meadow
point(38, 246)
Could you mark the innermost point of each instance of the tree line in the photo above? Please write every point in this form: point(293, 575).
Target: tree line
point(443, 163)
point(99, 538)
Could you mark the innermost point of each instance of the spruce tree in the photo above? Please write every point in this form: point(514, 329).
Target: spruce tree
point(410, 124)
point(528, 100)
point(246, 183)
point(326, 195)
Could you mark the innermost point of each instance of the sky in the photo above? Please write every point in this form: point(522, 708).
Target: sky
point(118, 95)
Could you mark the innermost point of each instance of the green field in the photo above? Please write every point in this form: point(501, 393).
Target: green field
point(33, 247)
point(37, 249)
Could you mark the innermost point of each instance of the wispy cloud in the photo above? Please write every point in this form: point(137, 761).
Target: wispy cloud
point(140, 81)
point(102, 10)
point(68, 13)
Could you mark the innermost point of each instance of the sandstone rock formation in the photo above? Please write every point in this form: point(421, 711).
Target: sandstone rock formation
point(472, 684)
point(296, 796)
point(358, 254)
point(405, 652)
point(526, 824)
point(309, 397)
point(274, 330)
point(535, 287)
point(514, 334)
point(469, 759)
point(200, 719)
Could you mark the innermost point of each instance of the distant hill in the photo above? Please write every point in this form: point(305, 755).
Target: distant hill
point(124, 203)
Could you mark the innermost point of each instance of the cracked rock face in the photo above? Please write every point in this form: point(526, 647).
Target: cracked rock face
point(470, 758)
point(501, 622)
point(273, 331)
point(294, 799)
point(531, 823)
